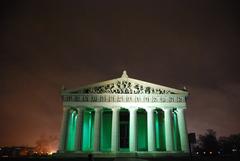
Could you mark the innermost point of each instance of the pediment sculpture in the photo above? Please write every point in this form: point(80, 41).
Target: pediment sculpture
point(123, 87)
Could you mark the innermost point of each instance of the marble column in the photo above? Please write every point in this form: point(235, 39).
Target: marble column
point(133, 129)
point(78, 136)
point(115, 130)
point(168, 129)
point(151, 130)
point(97, 124)
point(182, 130)
point(64, 127)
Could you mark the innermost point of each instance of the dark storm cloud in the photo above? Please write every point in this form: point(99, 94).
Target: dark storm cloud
point(45, 44)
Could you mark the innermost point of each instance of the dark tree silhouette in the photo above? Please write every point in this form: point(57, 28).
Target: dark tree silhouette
point(208, 142)
point(230, 144)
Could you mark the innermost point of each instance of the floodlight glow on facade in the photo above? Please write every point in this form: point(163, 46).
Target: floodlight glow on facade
point(123, 115)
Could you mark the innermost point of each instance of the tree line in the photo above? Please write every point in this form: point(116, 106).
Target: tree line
point(209, 144)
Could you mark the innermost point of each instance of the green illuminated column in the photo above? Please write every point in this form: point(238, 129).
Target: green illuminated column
point(97, 124)
point(70, 146)
point(168, 129)
point(115, 130)
point(182, 130)
point(151, 130)
point(64, 128)
point(133, 130)
point(78, 139)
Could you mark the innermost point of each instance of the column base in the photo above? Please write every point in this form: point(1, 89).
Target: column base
point(137, 154)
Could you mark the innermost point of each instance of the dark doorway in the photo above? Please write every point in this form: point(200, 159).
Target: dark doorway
point(124, 130)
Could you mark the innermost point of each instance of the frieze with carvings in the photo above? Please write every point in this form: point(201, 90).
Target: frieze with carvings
point(123, 87)
point(124, 98)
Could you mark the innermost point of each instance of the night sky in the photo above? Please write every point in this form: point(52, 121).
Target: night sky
point(47, 44)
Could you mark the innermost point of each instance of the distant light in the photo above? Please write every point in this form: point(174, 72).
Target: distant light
point(234, 150)
point(51, 152)
point(197, 152)
point(204, 152)
point(219, 152)
point(210, 152)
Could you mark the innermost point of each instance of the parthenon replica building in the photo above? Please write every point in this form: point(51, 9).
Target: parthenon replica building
point(123, 115)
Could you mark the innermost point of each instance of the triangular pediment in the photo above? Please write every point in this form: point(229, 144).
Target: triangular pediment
point(124, 85)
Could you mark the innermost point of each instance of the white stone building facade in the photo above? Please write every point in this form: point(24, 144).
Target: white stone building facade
point(124, 115)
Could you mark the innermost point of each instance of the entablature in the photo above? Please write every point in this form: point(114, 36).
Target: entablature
point(135, 98)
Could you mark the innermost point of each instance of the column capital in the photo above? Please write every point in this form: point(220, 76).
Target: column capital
point(149, 109)
point(132, 109)
point(167, 108)
point(97, 109)
point(180, 110)
point(116, 108)
point(182, 107)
